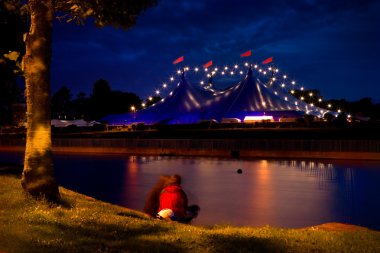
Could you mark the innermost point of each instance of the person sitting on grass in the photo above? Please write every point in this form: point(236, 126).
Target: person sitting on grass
point(172, 201)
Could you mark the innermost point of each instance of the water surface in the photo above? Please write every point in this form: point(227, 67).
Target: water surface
point(284, 193)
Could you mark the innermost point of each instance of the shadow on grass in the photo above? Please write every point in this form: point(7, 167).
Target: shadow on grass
point(132, 215)
point(64, 203)
point(16, 244)
point(241, 243)
point(102, 237)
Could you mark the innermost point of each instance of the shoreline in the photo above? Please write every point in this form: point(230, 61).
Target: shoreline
point(351, 143)
point(14, 169)
point(84, 224)
point(243, 154)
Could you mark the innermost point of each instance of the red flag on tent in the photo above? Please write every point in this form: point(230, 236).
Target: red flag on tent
point(208, 64)
point(178, 60)
point(246, 54)
point(266, 61)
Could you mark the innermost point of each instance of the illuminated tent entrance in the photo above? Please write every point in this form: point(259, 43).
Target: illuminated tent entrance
point(247, 101)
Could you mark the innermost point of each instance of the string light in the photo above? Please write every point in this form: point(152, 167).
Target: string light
point(241, 72)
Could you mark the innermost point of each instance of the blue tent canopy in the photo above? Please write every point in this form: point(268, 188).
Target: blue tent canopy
point(249, 98)
point(188, 104)
point(182, 106)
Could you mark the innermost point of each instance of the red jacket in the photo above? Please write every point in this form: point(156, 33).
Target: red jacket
point(174, 198)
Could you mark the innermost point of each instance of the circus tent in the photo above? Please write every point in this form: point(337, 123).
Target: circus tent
point(188, 104)
point(250, 97)
point(182, 106)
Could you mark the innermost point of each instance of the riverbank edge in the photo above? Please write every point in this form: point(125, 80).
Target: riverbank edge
point(78, 226)
point(219, 153)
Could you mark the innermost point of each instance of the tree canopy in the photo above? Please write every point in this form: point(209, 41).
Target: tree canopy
point(12, 47)
point(118, 13)
point(103, 101)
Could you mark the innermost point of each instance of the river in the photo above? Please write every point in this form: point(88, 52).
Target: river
point(275, 192)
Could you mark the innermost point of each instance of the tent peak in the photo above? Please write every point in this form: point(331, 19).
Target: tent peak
point(249, 72)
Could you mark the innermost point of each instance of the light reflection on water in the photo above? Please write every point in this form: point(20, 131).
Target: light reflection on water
point(284, 193)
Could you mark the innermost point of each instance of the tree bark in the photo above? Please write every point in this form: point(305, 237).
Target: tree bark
point(38, 177)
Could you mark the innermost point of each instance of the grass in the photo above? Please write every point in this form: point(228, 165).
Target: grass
point(83, 224)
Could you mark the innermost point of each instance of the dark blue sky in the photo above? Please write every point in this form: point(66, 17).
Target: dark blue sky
point(328, 45)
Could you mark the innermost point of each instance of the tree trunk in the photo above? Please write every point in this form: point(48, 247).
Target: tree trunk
point(38, 177)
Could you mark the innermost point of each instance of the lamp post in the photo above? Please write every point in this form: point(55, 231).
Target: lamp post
point(133, 109)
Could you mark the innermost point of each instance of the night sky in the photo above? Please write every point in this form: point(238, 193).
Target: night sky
point(328, 45)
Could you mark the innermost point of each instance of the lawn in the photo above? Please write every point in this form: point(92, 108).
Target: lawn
point(83, 224)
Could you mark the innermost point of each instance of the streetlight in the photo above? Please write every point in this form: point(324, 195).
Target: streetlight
point(133, 109)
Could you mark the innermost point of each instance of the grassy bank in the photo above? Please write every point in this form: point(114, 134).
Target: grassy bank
point(83, 224)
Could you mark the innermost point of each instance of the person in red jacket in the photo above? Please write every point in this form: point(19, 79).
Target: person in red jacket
point(174, 198)
point(171, 203)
